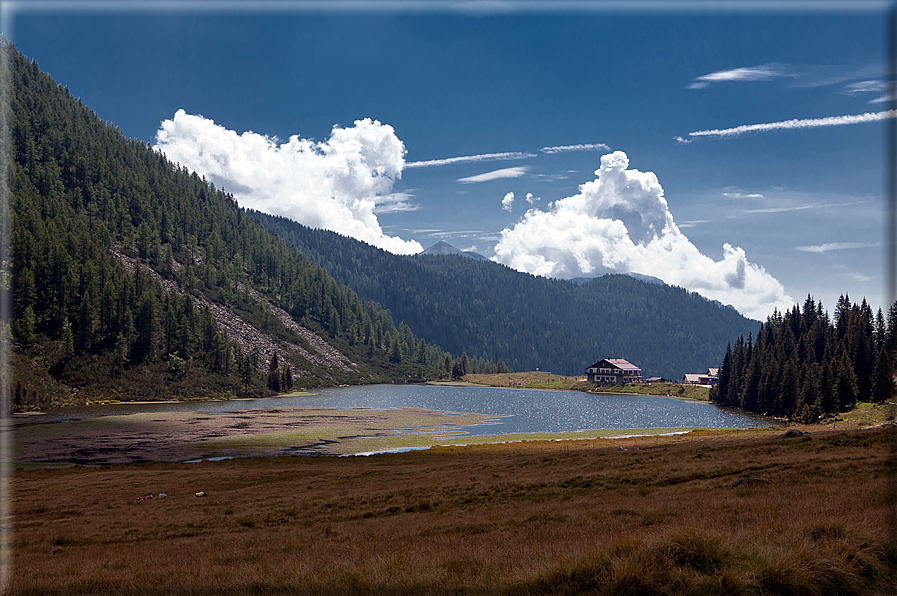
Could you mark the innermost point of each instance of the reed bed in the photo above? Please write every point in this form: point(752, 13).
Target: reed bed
point(653, 515)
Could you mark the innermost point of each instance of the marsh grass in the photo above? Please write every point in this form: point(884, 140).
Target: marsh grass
point(527, 518)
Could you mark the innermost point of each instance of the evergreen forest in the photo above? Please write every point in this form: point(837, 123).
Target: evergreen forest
point(136, 279)
point(804, 364)
point(495, 313)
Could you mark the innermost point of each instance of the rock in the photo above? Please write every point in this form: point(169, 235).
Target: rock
point(239, 331)
point(745, 481)
point(790, 434)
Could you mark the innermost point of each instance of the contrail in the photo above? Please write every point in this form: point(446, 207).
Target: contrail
point(791, 124)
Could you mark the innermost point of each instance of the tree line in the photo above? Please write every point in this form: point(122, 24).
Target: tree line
point(495, 313)
point(804, 364)
point(104, 228)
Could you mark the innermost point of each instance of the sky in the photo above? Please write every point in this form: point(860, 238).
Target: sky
point(736, 152)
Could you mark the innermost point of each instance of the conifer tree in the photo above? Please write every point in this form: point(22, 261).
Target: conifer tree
point(273, 373)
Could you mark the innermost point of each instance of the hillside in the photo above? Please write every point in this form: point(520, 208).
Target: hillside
point(528, 322)
point(135, 279)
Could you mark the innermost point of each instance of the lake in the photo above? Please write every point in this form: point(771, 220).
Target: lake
point(511, 410)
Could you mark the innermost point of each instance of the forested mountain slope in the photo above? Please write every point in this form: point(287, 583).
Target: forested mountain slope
point(496, 313)
point(136, 279)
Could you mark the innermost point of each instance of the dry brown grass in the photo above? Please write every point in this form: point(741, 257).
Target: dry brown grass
point(580, 517)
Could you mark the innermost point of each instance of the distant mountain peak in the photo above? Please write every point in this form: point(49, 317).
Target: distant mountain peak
point(444, 248)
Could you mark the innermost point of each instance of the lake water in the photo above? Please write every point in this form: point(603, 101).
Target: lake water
point(515, 410)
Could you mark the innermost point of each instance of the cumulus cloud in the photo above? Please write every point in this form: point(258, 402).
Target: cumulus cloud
point(620, 223)
point(338, 184)
point(514, 172)
point(531, 199)
point(793, 124)
point(507, 202)
point(747, 73)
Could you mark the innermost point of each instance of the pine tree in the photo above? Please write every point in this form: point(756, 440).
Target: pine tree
point(286, 382)
point(273, 374)
point(719, 393)
point(846, 391)
point(883, 378)
point(246, 373)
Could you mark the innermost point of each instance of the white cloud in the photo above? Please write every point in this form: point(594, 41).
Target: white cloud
point(394, 203)
point(692, 223)
point(531, 199)
point(549, 177)
point(514, 172)
point(470, 158)
point(738, 195)
point(822, 248)
point(880, 88)
point(569, 148)
point(336, 184)
point(748, 73)
point(866, 87)
point(453, 233)
point(796, 208)
point(507, 202)
point(620, 223)
point(793, 124)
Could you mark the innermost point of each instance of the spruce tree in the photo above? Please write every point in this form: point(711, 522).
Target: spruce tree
point(273, 374)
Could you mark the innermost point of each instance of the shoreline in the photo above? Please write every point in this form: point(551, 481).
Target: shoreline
point(590, 391)
point(114, 402)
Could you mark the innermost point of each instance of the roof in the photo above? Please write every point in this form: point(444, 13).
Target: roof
point(617, 363)
point(622, 364)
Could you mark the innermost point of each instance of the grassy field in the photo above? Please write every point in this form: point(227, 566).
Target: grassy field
point(543, 380)
point(634, 516)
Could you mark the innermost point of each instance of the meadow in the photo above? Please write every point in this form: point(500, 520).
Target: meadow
point(545, 380)
point(650, 515)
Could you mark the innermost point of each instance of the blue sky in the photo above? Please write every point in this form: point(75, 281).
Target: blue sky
point(756, 218)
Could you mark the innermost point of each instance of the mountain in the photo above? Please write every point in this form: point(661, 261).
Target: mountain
point(497, 314)
point(639, 276)
point(443, 248)
point(136, 279)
